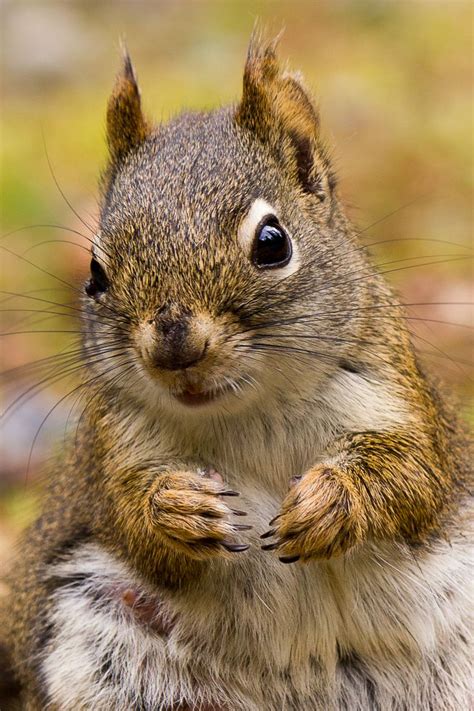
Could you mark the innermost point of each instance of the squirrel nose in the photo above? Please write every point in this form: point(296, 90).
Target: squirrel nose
point(179, 345)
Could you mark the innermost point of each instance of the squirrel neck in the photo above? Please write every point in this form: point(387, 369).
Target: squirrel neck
point(265, 442)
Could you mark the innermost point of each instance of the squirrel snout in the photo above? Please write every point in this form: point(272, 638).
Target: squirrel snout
point(180, 341)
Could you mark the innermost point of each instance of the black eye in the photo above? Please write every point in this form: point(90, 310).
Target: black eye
point(272, 246)
point(98, 283)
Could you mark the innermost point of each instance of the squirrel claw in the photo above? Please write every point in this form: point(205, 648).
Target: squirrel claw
point(269, 533)
point(228, 492)
point(242, 527)
point(270, 546)
point(236, 512)
point(288, 558)
point(234, 547)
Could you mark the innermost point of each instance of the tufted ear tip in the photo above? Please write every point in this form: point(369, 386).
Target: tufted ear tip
point(126, 124)
point(271, 93)
point(260, 44)
point(261, 63)
point(127, 66)
point(278, 110)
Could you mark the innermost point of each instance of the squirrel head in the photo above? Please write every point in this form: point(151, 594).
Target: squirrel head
point(219, 274)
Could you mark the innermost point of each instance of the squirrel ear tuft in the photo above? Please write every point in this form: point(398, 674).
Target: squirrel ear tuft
point(126, 125)
point(275, 105)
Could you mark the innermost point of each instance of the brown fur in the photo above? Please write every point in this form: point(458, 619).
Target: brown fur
point(166, 518)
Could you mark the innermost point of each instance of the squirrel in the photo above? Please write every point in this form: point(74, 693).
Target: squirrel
point(238, 341)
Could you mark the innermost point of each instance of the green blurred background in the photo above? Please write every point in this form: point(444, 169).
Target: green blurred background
point(394, 83)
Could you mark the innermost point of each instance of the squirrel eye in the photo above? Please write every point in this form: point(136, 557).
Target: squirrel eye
point(98, 283)
point(272, 246)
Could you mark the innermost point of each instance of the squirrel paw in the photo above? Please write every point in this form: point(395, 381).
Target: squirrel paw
point(320, 517)
point(190, 514)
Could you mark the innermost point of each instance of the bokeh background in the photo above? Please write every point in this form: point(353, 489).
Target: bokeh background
point(394, 83)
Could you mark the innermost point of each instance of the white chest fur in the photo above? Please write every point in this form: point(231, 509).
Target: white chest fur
point(379, 630)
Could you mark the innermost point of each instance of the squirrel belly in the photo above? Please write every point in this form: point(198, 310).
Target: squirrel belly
point(265, 504)
point(313, 637)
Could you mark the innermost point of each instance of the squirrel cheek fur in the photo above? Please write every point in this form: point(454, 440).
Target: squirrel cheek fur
point(295, 386)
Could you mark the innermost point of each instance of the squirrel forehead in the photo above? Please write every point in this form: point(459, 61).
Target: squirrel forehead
point(200, 169)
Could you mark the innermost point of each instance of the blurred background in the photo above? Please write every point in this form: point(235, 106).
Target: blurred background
point(394, 83)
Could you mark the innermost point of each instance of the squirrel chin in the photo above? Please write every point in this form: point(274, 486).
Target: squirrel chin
point(194, 398)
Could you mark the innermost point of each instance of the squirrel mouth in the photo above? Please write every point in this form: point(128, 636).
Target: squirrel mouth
point(193, 397)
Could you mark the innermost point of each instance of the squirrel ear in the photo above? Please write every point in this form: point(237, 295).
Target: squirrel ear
point(275, 105)
point(126, 125)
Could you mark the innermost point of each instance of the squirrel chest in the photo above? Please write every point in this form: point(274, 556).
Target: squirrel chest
point(277, 637)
